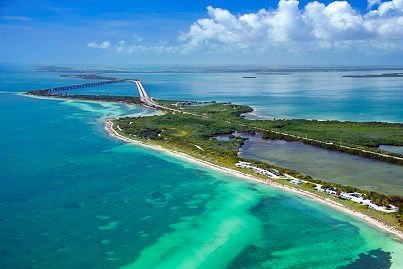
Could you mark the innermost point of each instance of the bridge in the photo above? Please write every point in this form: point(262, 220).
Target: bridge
point(143, 94)
point(86, 85)
point(144, 98)
point(148, 101)
point(49, 91)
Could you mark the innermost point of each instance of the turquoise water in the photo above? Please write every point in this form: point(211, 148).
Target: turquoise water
point(316, 95)
point(311, 95)
point(300, 95)
point(73, 197)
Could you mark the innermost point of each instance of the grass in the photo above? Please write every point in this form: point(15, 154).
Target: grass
point(194, 135)
point(188, 133)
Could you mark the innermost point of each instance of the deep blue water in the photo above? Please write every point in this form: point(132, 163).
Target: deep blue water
point(73, 197)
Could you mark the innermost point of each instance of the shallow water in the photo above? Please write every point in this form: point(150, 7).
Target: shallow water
point(393, 149)
point(327, 165)
point(311, 95)
point(73, 197)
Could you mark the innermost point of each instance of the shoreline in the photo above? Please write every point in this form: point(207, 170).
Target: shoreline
point(363, 153)
point(361, 216)
point(397, 234)
point(77, 100)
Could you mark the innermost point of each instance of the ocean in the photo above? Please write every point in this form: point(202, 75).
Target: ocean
point(74, 197)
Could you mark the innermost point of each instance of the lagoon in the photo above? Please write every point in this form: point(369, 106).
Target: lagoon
point(327, 165)
point(394, 149)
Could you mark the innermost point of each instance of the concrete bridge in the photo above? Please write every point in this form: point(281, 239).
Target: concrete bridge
point(148, 101)
point(143, 94)
point(49, 91)
point(144, 98)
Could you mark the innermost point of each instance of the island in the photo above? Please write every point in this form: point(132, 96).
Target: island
point(388, 75)
point(190, 129)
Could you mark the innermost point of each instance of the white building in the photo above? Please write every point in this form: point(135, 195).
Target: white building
point(296, 181)
point(256, 169)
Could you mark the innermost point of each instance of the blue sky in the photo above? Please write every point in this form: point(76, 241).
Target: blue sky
point(202, 32)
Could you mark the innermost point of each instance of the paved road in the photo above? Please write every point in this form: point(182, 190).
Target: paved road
point(148, 101)
point(151, 103)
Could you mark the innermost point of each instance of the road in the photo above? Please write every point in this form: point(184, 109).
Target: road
point(148, 101)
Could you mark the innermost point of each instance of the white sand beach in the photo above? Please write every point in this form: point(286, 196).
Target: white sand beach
point(368, 219)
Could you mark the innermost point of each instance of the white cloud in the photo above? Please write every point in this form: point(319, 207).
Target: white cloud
point(124, 47)
point(372, 3)
point(101, 45)
point(337, 24)
point(389, 8)
point(314, 27)
point(137, 38)
point(386, 21)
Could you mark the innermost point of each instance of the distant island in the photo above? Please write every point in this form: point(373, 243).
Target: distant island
point(274, 73)
point(259, 70)
point(88, 76)
point(389, 75)
point(61, 69)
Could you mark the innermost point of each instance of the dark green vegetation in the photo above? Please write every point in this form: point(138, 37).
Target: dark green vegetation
point(101, 98)
point(189, 132)
point(357, 138)
point(367, 134)
point(389, 75)
point(194, 134)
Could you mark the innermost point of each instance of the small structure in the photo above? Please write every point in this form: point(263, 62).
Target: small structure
point(296, 181)
point(358, 198)
point(257, 170)
point(330, 191)
point(354, 196)
point(319, 188)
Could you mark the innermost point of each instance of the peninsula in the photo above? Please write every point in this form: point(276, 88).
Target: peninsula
point(189, 130)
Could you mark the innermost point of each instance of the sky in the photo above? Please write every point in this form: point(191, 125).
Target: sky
point(277, 32)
